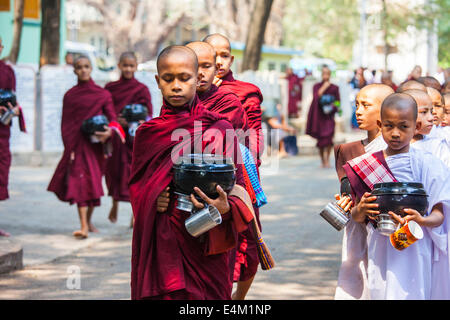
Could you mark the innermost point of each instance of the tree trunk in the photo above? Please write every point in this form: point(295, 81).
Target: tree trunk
point(17, 30)
point(50, 35)
point(255, 35)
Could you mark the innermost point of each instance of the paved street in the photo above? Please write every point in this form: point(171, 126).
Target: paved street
point(305, 247)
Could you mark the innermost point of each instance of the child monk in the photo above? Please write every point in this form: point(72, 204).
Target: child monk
point(251, 98)
point(352, 274)
point(167, 262)
point(127, 90)
point(213, 98)
point(446, 115)
point(7, 82)
point(78, 176)
point(249, 94)
point(394, 274)
point(422, 140)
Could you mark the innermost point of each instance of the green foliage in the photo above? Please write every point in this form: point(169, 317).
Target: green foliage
point(326, 28)
point(329, 28)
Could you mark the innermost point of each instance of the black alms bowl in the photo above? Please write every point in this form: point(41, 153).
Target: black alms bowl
point(135, 112)
point(396, 196)
point(7, 96)
point(204, 171)
point(96, 123)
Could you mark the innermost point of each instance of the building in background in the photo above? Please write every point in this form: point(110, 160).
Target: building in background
point(411, 46)
point(31, 32)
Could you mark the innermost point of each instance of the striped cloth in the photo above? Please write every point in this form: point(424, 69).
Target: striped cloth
point(371, 170)
point(251, 178)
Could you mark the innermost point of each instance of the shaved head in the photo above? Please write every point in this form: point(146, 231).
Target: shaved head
point(378, 91)
point(127, 55)
point(200, 47)
point(400, 102)
point(422, 98)
point(177, 53)
point(411, 84)
point(217, 38)
point(430, 82)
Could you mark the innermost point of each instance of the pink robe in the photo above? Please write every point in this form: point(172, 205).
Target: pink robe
point(117, 172)
point(80, 180)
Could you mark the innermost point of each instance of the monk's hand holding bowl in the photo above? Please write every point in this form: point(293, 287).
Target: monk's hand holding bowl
point(162, 202)
point(221, 203)
point(103, 136)
point(365, 208)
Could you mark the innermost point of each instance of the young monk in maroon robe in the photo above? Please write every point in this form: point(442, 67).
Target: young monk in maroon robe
point(246, 262)
point(320, 125)
point(249, 94)
point(167, 262)
point(78, 176)
point(127, 90)
point(352, 273)
point(213, 98)
point(295, 93)
point(7, 82)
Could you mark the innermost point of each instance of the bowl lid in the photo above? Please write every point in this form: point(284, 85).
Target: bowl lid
point(208, 162)
point(403, 188)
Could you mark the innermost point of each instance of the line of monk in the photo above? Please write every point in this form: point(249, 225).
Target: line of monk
point(407, 140)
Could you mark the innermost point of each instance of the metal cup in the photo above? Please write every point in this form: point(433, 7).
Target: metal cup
point(7, 117)
point(202, 221)
point(385, 225)
point(335, 215)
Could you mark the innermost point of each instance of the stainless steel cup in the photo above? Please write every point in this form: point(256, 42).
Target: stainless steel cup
point(202, 221)
point(7, 117)
point(385, 225)
point(335, 215)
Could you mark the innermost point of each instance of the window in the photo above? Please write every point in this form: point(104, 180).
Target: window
point(32, 9)
point(5, 5)
point(272, 66)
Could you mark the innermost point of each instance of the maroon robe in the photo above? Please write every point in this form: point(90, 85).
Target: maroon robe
point(346, 152)
point(117, 172)
point(319, 125)
point(167, 262)
point(80, 181)
point(7, 82)
point(225, 102)
point(246, 255)
point(295, 94)
point(251, 99)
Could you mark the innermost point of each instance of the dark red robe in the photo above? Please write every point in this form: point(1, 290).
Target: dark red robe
point(117, 172)
point(346, 152)
point(167, 262)
point(319, 125)
point(7, 82)
point(80, 181)
point(246, 258)
point(295, 94)
point(226, 103)
point(251, 99)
